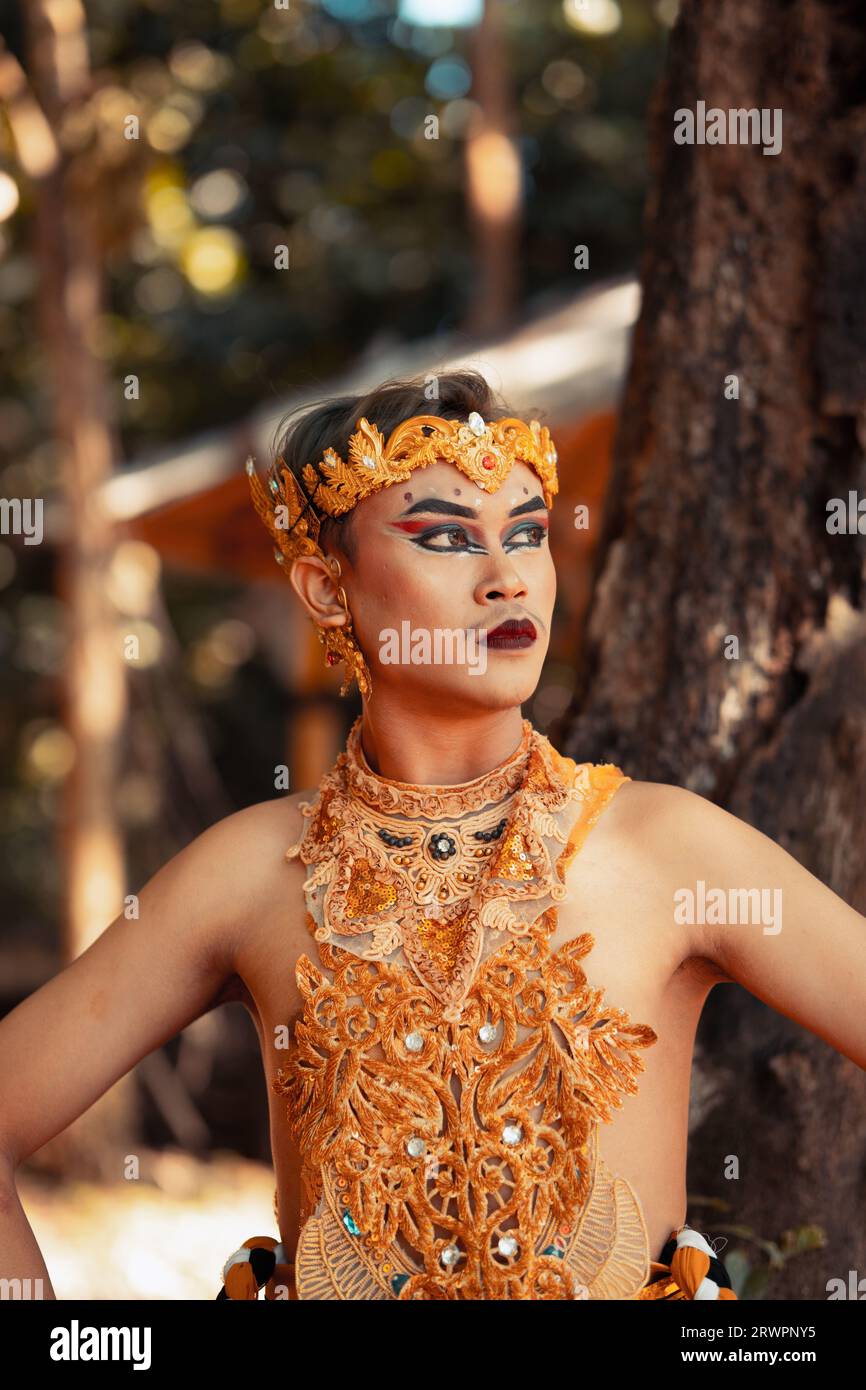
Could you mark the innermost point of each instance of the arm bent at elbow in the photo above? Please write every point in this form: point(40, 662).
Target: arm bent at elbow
point(138, 985)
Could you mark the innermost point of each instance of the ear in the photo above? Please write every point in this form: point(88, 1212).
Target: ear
point(317, 588)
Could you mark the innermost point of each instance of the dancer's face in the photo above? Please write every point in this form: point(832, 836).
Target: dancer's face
point(439, 553)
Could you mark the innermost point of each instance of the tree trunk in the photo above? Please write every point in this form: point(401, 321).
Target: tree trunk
point(70, 302)
point(716, 527)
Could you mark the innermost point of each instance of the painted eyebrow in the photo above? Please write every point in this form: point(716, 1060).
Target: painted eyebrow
point(439, 504)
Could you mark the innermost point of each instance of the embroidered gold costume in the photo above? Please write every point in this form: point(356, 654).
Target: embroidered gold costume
point(448, 1074)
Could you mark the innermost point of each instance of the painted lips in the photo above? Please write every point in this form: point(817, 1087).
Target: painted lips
point(511, 635)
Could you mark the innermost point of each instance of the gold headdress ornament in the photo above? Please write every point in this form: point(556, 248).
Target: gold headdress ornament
point(484, 451)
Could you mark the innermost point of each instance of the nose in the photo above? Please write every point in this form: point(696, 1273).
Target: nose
point(502, 581)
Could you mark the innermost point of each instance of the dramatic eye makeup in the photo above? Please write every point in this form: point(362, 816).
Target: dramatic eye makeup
point(529, 535)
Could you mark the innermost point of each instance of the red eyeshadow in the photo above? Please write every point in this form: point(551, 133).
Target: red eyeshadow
point(413, 527)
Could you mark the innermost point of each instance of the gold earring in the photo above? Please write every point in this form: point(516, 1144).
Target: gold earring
point(341, 645)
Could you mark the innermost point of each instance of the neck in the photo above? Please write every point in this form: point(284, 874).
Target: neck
point(415, 747)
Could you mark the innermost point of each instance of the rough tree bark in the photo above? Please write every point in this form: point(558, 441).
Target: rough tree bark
point(716, 525)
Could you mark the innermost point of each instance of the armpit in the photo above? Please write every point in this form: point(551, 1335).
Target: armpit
point(703, 971)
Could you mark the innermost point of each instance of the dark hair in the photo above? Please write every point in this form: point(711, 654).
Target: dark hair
point(330, 422)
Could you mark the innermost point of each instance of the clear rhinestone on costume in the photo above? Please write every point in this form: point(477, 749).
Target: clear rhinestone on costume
point(450, 1255)
point(250, 465)
point(512, 1134)
point(413, 1042)
point(416, 1146)
point(508, 1245)
point(368, 461)
point(487, 1032)
point(476, 424)
point(442, 846)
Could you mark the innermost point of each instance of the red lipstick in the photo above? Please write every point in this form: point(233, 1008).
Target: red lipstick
point(510, 635)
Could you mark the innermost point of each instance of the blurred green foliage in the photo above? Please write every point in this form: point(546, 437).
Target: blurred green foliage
point(294, 127)
point(260, 127)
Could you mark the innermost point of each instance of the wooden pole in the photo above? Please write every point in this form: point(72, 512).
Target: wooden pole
point(493, 182)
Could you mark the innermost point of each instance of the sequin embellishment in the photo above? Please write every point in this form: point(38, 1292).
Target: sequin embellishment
point(448, 1074)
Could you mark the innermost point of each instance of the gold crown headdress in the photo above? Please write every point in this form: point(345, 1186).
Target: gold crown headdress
point(484, 451)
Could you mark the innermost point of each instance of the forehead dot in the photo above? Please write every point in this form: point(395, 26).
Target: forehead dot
point(407, 497)
point(457, 492)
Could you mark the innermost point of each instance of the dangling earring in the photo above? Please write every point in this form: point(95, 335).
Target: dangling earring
point(340, 643)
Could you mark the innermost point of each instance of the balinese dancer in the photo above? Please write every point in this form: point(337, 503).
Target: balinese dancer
point(454, 1060)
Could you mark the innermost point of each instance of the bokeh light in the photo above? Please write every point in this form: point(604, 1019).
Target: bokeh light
point(9, 195)
point(449, 13)
point(47, 751)
point(213, 260)
point(448, 77)
point(593, 16)
point(218, 194)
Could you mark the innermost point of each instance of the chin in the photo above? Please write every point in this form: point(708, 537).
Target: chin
point(503, 685)
point(506, 692)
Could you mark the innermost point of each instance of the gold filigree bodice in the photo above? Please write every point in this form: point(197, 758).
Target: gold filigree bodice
point(449, 1071)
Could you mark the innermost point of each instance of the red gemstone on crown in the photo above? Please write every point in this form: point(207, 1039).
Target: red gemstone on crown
point(487, 461)
point(332, 658)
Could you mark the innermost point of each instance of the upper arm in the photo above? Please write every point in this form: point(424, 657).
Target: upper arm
point(770, 925)
point(139, 984)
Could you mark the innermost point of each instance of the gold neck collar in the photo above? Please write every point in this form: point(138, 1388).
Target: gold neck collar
point(432, 801)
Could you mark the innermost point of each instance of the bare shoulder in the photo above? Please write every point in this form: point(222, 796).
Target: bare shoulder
point(681, 827)
point(249, 856)
point(231, 875)
point(249, 848)
point(651, 841)
point(633, 831)
point(658, 795)
point(640, 815)
point(261, 828)
point(668, 818)
point(673, 834)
